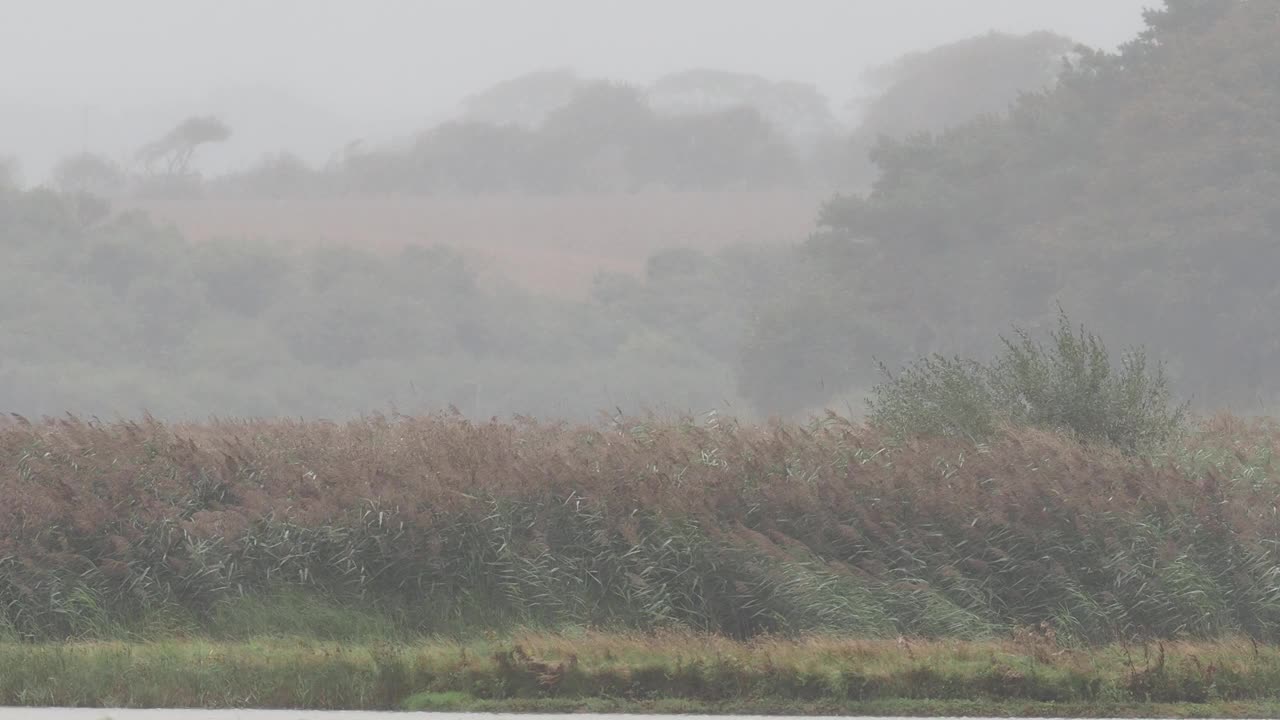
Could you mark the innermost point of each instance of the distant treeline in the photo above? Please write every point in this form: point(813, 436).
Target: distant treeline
point(1139, 192)
point(110, 313)
point(554, 131)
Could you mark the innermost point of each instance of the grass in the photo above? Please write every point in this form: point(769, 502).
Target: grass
point(888, 708)
point(418, 527)
point(666, 672)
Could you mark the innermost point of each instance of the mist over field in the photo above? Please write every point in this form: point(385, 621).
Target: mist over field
point(310, 76)
point(839, 357)
point(563, 209)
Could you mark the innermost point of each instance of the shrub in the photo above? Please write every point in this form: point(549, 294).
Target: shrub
point(1070, 384)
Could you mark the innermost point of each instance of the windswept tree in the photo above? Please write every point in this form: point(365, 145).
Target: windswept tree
point(173, 152)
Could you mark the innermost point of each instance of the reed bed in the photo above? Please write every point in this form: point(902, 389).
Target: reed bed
point(423, 526)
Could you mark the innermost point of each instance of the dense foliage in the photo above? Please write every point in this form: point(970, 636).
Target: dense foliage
point(1140, 192)
point(954, 83)
point(605, 138)
point(106, 313)
point(554, 132)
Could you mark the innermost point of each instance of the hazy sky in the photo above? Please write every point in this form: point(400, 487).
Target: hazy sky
point(108, 74)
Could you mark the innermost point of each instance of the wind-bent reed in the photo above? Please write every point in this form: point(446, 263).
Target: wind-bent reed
point(436, 524)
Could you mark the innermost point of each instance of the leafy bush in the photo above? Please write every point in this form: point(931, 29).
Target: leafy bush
point(1071, 385)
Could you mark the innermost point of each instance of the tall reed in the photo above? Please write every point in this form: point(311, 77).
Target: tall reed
point(435, 524)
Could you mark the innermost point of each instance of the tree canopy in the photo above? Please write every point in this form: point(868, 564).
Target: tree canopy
point(951, 84)
point(1142, 191)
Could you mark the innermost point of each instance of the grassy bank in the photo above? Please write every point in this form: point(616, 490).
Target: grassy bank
point(434, 525)
point(663, 673)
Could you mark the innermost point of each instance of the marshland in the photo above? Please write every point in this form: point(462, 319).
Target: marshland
point(948, 390)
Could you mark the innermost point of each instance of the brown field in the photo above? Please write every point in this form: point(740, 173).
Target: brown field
point(548, 244)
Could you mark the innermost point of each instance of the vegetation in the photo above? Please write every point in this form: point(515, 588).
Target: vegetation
point(1041, 529)
point(606, 137)
point(10, 172)
point(437, 524)
point(175, 149)
point(929, 92)
point(656, 673)
point(1071, 385)
point(1139, 191)
point(524, 101)
point(110, 314)
point(86, 172)
point(555, 132)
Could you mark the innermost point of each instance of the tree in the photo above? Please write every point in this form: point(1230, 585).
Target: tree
point(276, 174)
point(1141, 190)
point(590, 142)
point(524, 101)
point(473, 157)
point(10, 172)
point(600, 114)
point(1176, 16)
point(173, 151)
point(797, 110)
point(736, 147)
point(810, 336)
point(88, 172)
point(933, 90)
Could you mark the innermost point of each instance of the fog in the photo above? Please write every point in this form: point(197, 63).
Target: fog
point(564, 208)
point(588, 353)
point(311, 75)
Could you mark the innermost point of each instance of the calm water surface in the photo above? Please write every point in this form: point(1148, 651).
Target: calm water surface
point(91, 714)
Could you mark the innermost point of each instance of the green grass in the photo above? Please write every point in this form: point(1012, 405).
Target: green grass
point(891, 708)
point(654, 673)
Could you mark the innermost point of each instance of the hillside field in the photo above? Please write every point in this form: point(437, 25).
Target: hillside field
point(552, 244)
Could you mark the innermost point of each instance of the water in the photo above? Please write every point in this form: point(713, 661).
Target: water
point(97, 714)
point(100, 714)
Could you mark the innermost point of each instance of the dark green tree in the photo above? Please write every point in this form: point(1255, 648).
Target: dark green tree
point(1141, 190)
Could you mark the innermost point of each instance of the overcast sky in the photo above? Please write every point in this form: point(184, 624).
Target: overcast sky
point(110, 73)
